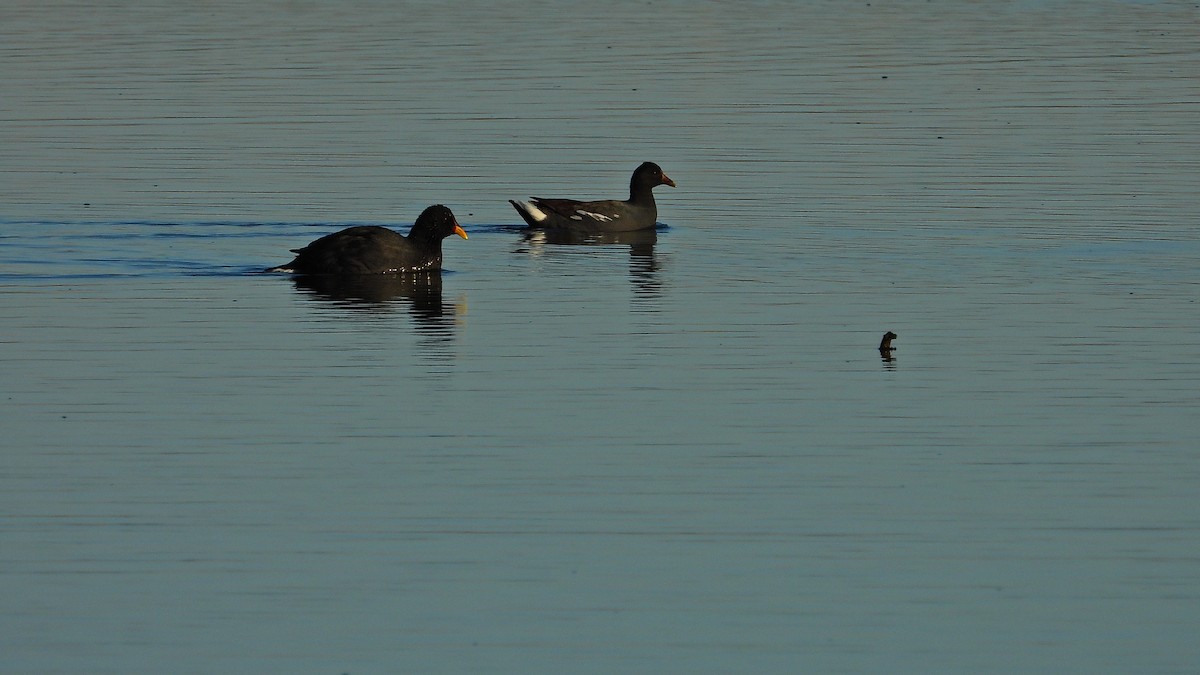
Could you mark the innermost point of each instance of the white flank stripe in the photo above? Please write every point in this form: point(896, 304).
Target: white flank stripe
point(598, 216)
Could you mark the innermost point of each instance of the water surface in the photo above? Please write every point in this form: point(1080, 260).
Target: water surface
point(678, 453)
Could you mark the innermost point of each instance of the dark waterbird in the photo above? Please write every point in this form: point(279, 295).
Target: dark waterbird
point(885, 348)
point(639, 212)
point(371, 249)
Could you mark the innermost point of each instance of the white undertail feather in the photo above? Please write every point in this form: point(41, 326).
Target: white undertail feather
point(533, 211)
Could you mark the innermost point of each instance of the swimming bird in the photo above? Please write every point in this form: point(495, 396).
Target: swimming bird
point(371, 249)
point(639, 212)
point(885, 345)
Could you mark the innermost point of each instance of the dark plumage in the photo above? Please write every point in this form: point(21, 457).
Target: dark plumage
point(636, 213)
point(370, 249)
point(885, 345)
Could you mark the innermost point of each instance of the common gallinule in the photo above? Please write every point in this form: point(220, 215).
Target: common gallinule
point(611, 215)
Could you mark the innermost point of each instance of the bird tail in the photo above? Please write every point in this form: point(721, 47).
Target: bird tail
point(529, 212)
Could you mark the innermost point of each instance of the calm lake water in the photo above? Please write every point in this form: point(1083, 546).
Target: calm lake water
point(680, 453)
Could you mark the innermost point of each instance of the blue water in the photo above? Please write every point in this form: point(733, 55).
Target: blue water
point(681, 453)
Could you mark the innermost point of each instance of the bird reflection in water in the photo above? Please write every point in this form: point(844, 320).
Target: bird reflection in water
point(420, 291)
point(644, 267)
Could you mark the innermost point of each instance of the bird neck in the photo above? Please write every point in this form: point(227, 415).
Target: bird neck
point(424, 236)
point(641, 193)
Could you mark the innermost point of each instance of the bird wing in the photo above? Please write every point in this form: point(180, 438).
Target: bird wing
point(581, 212)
